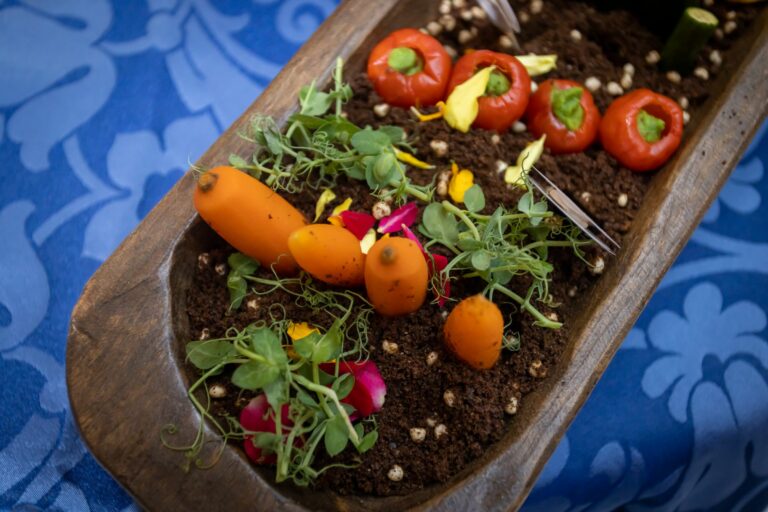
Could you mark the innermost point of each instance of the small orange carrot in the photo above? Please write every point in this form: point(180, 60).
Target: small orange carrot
point(396, 276)
point(328, 253)
point(474, 330)
point(252, 217)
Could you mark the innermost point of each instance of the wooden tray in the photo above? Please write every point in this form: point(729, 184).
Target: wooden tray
point(127, 330)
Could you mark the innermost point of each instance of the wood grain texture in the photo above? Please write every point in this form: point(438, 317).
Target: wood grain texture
point(127, 330)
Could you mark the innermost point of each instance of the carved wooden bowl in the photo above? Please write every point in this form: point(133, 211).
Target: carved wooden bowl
point(125, 349)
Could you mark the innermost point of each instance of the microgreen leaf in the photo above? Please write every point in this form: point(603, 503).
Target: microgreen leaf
point(439, 224)
point(343, 385)
point(329, 346)
point(238, 289)
point(266, 343)
point(306, 399)
point(370, 142)
point(237, 161)
point(368, 441)
point(253, 375)
point(481, 260)
point(321, 348)
point(395, 133)
point(474, 199)
point(467, 243)
point(525, 202)
point(266, 441)
point(336, 435)
point(314, 102)
point(339, 129)
point(305, 346)
point(240, 265)
point(205, 354)
point(277, 392)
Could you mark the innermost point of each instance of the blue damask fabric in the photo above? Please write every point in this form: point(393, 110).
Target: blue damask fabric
point(103, 104)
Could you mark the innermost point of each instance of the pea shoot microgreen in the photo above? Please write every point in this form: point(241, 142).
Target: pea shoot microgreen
point(500, 246)
point(319, 145)
point(261, 363)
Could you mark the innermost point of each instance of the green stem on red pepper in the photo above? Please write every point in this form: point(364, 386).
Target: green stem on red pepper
point(650, 127)
point(405, 60)
point(566, 105)
point(498, 84)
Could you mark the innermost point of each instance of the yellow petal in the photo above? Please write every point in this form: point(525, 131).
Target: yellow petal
point(461, 108)
point(527, 159)
point(423, 118)
point(343, 206)
point(368, 240)
point(531, 153)
point(538, 64)
point(459, 184)
point(300, 330)
point(514, 176)
point(336, 221)
point(326, 197)
point(411, 160)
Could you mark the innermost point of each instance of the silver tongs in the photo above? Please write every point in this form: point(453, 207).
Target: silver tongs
point(572, 211)
point(501, 14)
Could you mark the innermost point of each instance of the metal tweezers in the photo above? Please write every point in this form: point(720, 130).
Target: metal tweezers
point(502, 15)
point(572, 211)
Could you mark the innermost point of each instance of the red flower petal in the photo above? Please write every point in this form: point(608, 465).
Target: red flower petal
point(367, 396)
point(357, 222)
point(258, 416)
point(406, 214)
point(437, 263)
point(443, 296)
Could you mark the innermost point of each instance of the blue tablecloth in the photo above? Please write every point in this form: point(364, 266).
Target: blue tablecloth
point(103, 104)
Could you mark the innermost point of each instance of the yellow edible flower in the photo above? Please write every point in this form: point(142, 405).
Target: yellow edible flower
point(460, 182)
point(300, 330)
point(538, 64)
point(335, 218)
point(326, 197)
point(343, 206)
point(514, 174)
point(297, 332)
point(461, 108)
point(411, 160)
point(423, 118)
point(368, 240)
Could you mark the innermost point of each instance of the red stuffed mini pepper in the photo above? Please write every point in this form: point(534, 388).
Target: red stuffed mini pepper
point(566, 113)
point(507, 93)
point(642, 129)
point(409, 68)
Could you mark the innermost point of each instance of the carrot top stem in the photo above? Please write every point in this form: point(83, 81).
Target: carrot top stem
point(388, 255)
point(207, 180)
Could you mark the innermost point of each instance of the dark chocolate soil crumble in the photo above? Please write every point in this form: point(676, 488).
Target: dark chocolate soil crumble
point(421, 376)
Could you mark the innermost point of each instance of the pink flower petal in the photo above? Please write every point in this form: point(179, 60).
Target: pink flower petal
point(257, 416)
point(406, 214)
point(367, 396)
point(357, 222)
point(411, 236)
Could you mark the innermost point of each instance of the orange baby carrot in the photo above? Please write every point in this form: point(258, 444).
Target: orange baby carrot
point(474, 330)
point(252, 217)
point(328, 253)
point(396, 276)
